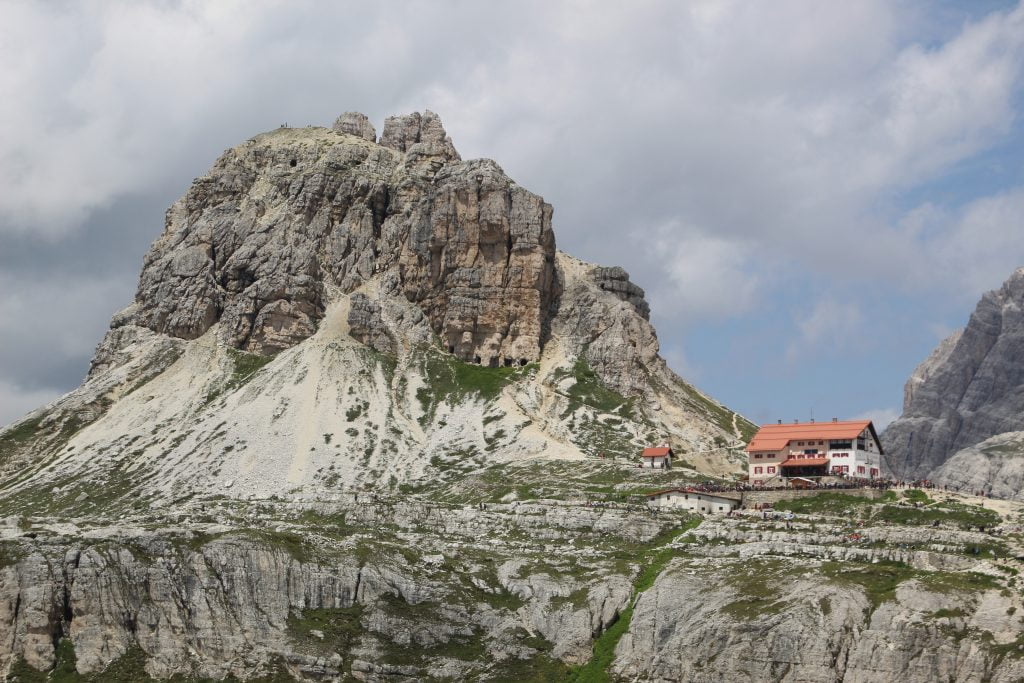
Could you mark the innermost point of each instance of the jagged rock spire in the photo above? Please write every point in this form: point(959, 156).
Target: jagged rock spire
point(354, 123)
point(418, 133)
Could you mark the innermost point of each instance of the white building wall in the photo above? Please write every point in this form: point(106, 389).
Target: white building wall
point(697, 502)
point(658, 462)
point(766, 461)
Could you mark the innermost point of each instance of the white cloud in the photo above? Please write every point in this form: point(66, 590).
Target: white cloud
point(880, 416)
point(830, 326)
point(981, 246)
point(706, 276)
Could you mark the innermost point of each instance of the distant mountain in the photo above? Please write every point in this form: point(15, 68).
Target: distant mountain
point(971, 388)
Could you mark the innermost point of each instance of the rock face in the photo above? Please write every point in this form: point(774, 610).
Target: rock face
point(969, 389)
point(616, 280)
point(356, 124)
point(995, 467)
point(256, 243)
point(376, 588)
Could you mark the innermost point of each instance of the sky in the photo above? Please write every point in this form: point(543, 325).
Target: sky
point(812, 194)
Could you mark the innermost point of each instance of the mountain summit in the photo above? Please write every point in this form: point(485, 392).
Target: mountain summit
point(326, 310)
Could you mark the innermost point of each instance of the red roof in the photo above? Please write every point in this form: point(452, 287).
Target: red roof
point(805, 462)
point(775, 437)
point(658, 452)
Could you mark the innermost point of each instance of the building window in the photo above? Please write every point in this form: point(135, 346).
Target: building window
point(771, 470)
point(757, 470)
point(841, 445)
point(757, 455)
point(860, 469)
point(811, 451)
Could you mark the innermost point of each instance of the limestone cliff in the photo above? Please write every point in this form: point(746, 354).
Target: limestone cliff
point(971, 388)
point(259, 242)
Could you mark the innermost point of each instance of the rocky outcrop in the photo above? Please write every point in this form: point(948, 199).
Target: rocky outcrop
point(697, 623)
point(356, 124)
point(255, 244)
point(419, 135)
point(971, 388)
point(367, 326)
point(994, 467)
point(616, 280)
point(377, 588)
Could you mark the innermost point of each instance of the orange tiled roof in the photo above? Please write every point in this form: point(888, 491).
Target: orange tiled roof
point(774, 437)
point(657, 452)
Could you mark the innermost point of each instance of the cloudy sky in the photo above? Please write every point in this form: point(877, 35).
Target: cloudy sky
point(812, 194)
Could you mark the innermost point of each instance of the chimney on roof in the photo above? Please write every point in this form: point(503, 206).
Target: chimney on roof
point(835, 419)
point(796, 422)
point(812, 420)
point(780, 420)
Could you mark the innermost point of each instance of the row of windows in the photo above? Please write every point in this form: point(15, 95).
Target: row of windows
point(860, 469)
point(759, 470)
point(806, 454)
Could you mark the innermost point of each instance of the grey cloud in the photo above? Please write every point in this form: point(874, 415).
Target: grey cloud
point(698, 144)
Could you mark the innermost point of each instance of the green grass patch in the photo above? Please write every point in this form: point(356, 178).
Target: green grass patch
point(244, 367)
point(880, 580)
point(589, 390)
point(757, 581)
point(826, 503)
point(916, 496)
point(341, 628)
point(20, 434)
point(946, 513)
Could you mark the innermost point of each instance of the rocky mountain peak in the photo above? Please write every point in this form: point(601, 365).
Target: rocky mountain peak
point(255, 245)
point(969, 389)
